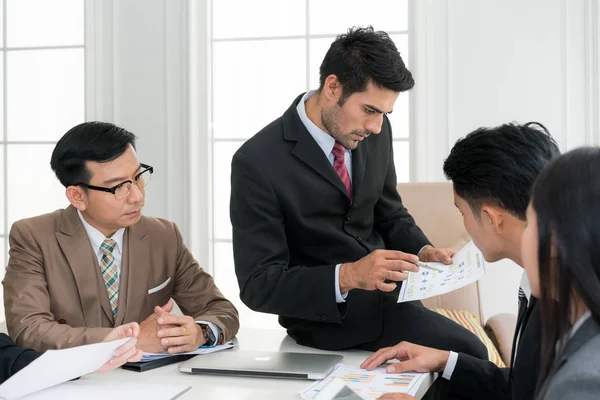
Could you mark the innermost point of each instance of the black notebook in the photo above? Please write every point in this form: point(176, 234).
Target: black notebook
point(161, 362)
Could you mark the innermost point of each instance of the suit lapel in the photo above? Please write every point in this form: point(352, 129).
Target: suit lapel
point(522, 318)
point(587, 331)
point(306, 149)
point(138, 264)
point(74, 242)
point(123, 279)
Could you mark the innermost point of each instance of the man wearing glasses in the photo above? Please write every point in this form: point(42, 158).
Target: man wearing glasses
point(76, 273)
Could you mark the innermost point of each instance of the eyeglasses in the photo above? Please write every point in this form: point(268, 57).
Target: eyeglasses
point(122, 190)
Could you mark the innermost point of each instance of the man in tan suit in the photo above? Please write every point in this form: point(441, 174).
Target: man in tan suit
point(76, 273)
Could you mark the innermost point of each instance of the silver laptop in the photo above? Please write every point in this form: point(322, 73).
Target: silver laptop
point(262, 364)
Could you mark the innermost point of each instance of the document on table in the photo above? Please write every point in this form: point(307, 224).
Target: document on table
point(103, 390)
point(468, 266)
point(58, 366)
point(367, 384)
point(202, 350)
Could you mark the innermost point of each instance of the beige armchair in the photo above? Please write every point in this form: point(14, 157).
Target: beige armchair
point(432, 206)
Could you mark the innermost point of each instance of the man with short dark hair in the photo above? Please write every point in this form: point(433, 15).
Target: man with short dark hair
point(492, 171)
point(76, 273)
point(320, 235)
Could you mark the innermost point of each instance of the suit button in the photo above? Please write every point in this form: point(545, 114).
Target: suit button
point(62, 321)
point(348, 217)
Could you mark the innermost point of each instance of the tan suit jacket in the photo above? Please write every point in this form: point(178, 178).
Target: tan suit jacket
point(54, 293)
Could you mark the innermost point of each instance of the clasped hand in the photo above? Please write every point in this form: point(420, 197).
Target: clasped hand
point(165, 331)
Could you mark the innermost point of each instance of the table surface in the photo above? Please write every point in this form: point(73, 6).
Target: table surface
point(207, 387)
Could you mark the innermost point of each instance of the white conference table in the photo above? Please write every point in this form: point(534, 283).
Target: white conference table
point(208, 387)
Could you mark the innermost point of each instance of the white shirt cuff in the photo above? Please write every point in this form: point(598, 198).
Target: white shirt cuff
point(423, 248)
point(214, 328)
point(450, 365)
point(339, 297)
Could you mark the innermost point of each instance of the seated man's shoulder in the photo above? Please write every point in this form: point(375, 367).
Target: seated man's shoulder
point(159, 227)
point(40, 224)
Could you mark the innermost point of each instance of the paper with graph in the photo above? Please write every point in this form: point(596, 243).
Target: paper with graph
point(367, 384)
point(468, 267)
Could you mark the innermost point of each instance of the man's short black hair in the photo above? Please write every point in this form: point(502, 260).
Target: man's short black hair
point(364, 55)
point(499, 165)
point(90, 141)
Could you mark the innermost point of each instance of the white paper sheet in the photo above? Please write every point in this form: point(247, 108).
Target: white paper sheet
point(58, 366)
point(202, 350)
point(367, 384)
point(108, 390)
point(468, 267)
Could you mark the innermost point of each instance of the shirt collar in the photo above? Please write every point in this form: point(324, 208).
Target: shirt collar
point(323, 139)
point(525, 286)
point(96, 237)
point(579, 322)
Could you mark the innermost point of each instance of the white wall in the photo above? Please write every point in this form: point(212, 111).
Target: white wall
point(476, 63)
point(492, 61)
point(138, 73)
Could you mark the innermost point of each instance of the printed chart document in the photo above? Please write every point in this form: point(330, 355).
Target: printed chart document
point(202, 350)
point(104, 390)
point(58, 366)
point(468, 267)
point(367, 384)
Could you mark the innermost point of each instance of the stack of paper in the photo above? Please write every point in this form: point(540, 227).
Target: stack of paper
point(367, 384)
point(468, 266)
point(202, 350)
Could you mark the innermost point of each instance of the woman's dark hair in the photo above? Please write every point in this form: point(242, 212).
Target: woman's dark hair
point(566, 199)
point(364, 55)
point(90, 141)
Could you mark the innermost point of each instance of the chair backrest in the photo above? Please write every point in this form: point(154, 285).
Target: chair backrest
point(432, 207)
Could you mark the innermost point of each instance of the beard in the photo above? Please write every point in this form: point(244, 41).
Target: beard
point(331, 120)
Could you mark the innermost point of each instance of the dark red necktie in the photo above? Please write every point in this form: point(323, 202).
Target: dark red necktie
point(340, 166)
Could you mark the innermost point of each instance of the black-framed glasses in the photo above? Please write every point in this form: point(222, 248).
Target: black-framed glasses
point(122, 190)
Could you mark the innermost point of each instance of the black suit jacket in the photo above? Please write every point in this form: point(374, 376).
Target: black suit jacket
point(13, 358)
point(478, 379)
point(293, 223)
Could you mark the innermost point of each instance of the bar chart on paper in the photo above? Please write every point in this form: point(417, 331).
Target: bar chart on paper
point(398, 381)
point(366, 384)
point(357, 378)
point(468, 267)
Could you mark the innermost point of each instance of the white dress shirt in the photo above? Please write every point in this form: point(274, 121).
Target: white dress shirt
point(96, 238)
point(579, 322)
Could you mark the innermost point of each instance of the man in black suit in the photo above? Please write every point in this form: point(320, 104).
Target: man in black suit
point(14, 358)
point(320, 235)
point(493, 170)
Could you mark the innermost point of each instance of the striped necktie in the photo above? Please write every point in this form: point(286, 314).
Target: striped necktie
point(522, 302)
point(110, 273)
point(340, 166)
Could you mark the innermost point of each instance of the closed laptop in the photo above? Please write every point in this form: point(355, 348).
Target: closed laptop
point(262, 364)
